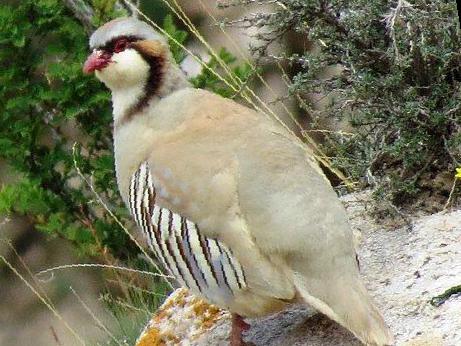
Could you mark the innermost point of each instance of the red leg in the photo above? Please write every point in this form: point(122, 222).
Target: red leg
point(238, 326)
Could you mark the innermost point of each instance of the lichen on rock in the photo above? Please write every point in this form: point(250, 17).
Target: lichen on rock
point(181, 320)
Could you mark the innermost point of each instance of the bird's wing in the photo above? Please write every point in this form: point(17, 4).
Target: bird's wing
point(203, 264)
point(197, 258)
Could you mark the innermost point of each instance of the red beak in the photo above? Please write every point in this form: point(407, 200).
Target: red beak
point(96, 61)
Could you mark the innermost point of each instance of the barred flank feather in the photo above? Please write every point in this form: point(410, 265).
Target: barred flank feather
point(204, 265)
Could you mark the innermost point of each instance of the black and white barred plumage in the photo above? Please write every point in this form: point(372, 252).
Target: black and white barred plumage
point(204, 265)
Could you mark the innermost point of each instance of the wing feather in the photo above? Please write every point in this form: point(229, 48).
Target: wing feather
point(204, 265)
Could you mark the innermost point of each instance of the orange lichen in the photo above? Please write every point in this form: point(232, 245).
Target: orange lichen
point(208, 313)
point(161, 315)
point(172, 338)
point(181, 317)
point(151, 337)
point(211, 320)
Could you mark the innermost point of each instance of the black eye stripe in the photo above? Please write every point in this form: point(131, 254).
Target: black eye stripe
point(110, 46)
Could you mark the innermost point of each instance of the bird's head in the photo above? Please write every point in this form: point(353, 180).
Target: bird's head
point(134, 61)
point(127, 52)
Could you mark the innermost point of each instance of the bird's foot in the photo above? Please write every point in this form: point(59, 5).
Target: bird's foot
point(238, 326)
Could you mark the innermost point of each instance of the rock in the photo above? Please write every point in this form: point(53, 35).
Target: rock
point(403, 269)
point(182, 319)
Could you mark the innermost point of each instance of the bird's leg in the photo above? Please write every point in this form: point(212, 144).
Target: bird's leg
point(238, 326)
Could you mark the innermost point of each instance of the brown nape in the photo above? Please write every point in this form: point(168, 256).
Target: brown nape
point(154, 53)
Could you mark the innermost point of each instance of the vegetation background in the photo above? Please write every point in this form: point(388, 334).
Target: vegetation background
point(373, 87)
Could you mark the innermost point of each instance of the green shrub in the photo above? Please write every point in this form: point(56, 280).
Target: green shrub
point(56, 127)
point(397, 84)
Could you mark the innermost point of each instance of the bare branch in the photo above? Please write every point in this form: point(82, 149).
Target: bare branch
point(83, 12)
point(226, 4)
point(390, 20)
point(130, 6)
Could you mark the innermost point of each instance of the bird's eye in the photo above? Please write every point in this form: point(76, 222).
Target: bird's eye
point(120, 45)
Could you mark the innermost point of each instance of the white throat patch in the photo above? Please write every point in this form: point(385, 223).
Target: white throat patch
point(126, 76)
point(127, 69)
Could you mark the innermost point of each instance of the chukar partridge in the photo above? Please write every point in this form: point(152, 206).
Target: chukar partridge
point(231, 203)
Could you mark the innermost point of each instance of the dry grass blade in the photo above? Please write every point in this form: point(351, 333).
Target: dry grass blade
point(139, 289)
point(32, 276)
point(450, 196)
point(94, 265)
point(43, 300)
point(131, 307)
point(94, 317)
point(115, 218)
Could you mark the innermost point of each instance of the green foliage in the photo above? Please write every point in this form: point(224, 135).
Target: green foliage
point(397, 83)
point(208, 79)
point(177, 38)
point(27, 196)
point(47, 104)
point(104, 10)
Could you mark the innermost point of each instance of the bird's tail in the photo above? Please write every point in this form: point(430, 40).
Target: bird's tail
point(344, 299)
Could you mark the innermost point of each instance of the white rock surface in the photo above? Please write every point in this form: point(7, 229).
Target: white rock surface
point(403, 269)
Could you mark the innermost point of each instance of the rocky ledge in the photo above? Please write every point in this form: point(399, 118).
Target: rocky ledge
point(404, 268)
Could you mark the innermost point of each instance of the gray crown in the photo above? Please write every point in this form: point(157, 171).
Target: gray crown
point(125, 26)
